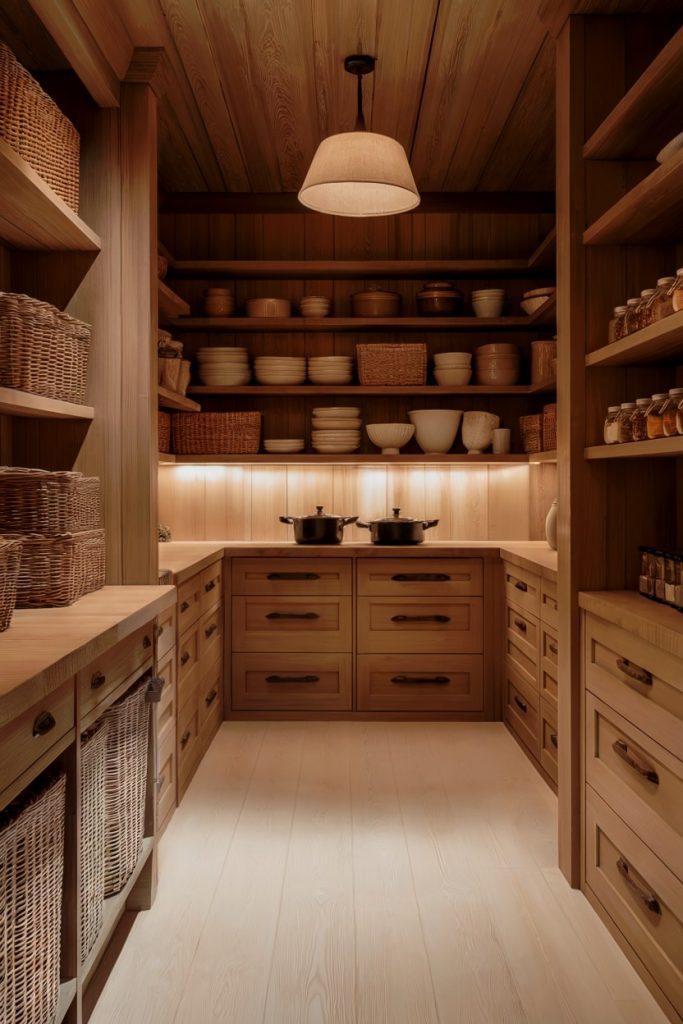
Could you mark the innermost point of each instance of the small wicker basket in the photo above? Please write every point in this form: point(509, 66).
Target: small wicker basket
point(549, 427)
point(531, 429)
point(399, 365)
point(56, 571)
point(216, 433)
point(164, 426)
point(93, 756)
point(37, 501)
point(10, 560)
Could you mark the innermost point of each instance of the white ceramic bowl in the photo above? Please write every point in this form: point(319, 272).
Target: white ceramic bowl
point(498, 348)
point(488, 305)
point(453, 358)
point(480, 292)
point(215, 355)
point(390, 437)
point(498, 376)
point(531, 305)
point(435, 429)
point(453, 377)
point(477, 431)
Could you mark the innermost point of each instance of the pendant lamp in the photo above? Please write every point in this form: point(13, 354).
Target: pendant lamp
point(359, 173)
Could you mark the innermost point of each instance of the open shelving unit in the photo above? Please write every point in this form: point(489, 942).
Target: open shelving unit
point(656, 448)
point(307, 390)
point(21, 403)
point(170, 304)
point(354, 458)
point(336, 324)
point(660, 341)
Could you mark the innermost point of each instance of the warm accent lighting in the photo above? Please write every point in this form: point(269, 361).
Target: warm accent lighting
point(359, 173)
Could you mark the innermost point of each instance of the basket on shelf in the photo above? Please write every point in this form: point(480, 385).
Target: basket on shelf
point(125, 785)
point(184, 376)
point(93, 759)
point(392, 364)
point(216, 433)
point(56, 571)
point(531, 429)
point(36, 129)
point(31, 874)
point(164, 426)
point(169, 372)
point(10, 560)
point(550, 427)
point(42, 351)
point(38, 501)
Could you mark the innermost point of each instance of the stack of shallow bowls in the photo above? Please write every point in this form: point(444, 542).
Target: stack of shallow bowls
point(284, 446)
point(453, 369)
point(498, 364)
point(224, 367)
point(336, 430)
point(219, 302)
point(330, 369)
point(280, 369)
point(534, 299)
point(488, 302)
point(315, 305)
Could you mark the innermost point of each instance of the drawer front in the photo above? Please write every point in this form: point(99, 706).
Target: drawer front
point(166, 632)
point(188, 665)
point(101, 678)
point(524, 631)
point(416, 577)
point(211, 693)
point(291, 624)
point(548, 738)
point(641, 682)
point(413, 682)
point(416, 625)
point(549, 667)
point(166, 781)
point(291, 576)
point(516, 656)
point(167, 706)
point(189, 602)
point(187, 743)
point(210, 727)
point(31, 735)
point(548, 687)
point(212, 586)
point(522, 589)
point(522, 710)
point(640, 894)
point(291, 682)
point(640, 780)
point(211, 638)
point(549, 612)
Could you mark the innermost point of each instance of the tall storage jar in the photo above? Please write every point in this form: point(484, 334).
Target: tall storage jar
point(655, 424)
point(670, 412)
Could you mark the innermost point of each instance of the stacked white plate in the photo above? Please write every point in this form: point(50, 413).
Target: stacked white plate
point(284, 446)
point(330, 369)
point(280, 369)
point(336, 430)
point(224, 367)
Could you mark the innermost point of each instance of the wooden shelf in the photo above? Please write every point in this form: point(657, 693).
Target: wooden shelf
point(67, 994)
point(360, 269)
point(651, 212)
point(170, 304)
point(20, 403)
point(659, 447)
point(32, 216)
point(550, 456)
point(545, 315)
point(337, 324)
point(304, 458)
point(166, 458)
point(660, 341)
point(632, 128)
point(543, 257)
point(274, 391)
point(170, 400)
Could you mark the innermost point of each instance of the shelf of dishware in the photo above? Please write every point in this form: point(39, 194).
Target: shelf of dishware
point(21, 403)
point(304, 390)
point(171, 400)
point(298, 270)
point(170, 304)
point(661, 340)
point(304, 458)
point(658, 447)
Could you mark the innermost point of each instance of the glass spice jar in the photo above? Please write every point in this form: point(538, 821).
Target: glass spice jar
point(624, 428)
point(669, 577)
point(655, 304)
point(646, 584)
point(655, 426)
point(641, 314)
point(672, 300)
point(610, 430)
point(630, 320)
point(679, 419)
point(670, 412)
point(678, 587)
point(639, 419)
point(660, 568)
point(615, 328)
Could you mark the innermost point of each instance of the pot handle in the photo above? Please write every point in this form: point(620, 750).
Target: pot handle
point(365, 526)
point(428, 523)
point(287, 519)
point(348, 520)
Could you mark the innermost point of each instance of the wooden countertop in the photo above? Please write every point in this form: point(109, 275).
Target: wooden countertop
point(534, 555)
point(656, 623)
point(186, 557)
point(45, 646)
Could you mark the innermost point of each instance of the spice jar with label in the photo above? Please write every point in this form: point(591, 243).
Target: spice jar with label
point(670, 412)
point(615, 328)
point(646, 580)
point(624, 427)
point(679, 418)
point(678, 587)
point(639, 419)
point(669, 577)
point(660, 569)
point(658, 300)
point(641, 315)
point(655, 426)
point(672, 300)
point(630, 316)
point(610, 431)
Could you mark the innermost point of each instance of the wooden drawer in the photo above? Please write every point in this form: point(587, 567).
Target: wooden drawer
point(212, 586)
point(417, 625)
point(516, 656)
point(166, 631)
point(643, 898)
point(549, 611)
point(419, 682)
point(521, 705)
point(524, 630)
point(291, 576)
point(291, 624)
point(639, 780)
point(641, 682)
point(188, 664)
point(548, 670)
point(25, 739)
point(166, 709)
point(548, 738)
point(100, 679)
point(187, 742)
point(166, 669)
point(522, 589)
point(292, 682)
point(211, 693)
point(189, 602)
point(211, 638)
point(415, 577)
point(210, 727)
point(166, 781)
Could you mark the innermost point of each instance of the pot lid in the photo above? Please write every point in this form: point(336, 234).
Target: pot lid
point(396, 518)
point(319, 514)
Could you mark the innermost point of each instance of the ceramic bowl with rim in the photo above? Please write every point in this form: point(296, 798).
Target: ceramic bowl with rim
point(390, 437)
point(283, 446)
point(498, 348)
point(457, 376)
point(477, 431)
point(435, 429)
point(488, 305)
point(452, 358)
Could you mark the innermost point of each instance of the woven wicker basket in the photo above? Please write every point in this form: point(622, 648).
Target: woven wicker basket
point(37, 501)
point(398, 364)
point(125, 785)
point(42, 351)
point(531, 429)
point(93, 757)
point(164, 425)
point(31, 873)
point(35, 128)
point(57, 571)
point(10, 560)
point(216, 433)
point(549, 427)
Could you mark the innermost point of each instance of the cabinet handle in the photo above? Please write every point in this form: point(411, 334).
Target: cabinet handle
point(521, 704)
point(292, 615)
point(520, 624)
point(44, 723)
point(184, 739)
point(420, 618)
point(97, 679)
point(160, 782)
point(421, 577)
point(184, 606)
point(146, 642)
point(553, 739)
point(154, 688)
point(421, 680)
point(640, 675)
point(208, 700)
point(292, 679)
point(293, 576)
point(210, 630)
point(208, 587)
point(648, 898)
point(552, 647)
point(184, 657)
point(158, 630)
point(620, 748)
point(520, 585)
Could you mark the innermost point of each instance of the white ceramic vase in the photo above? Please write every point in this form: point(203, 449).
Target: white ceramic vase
point(477, 431)
point(435, 429)
point(551, 526)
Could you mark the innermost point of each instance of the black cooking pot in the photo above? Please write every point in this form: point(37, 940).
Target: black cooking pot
point(318, 528)
point(398, 529)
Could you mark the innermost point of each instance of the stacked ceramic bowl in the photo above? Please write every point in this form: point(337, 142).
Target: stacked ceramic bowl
point(219, 302)
point(224, 367)
point(336, 431)
point(488, 302)
point(280, 369)
point(330, 369)
point(452, 369)
point(284, 446)
point(498, 364)
point(315, 305)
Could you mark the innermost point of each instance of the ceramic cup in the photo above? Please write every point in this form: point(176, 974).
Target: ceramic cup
point(501, 441)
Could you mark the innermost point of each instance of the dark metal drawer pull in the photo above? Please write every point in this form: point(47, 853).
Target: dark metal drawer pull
point(154, 688)
point(184, 657)
point(553, 739)
point(648, 898)
point(158, 630)
point(184, 606)
point(97, 679)
point(160, 782)
point(146, 642)
point(421, 680)
point(521, 704)
point(292, 679)
point(520, 624)
point(208, 587)
point(421, 577)
point(620, 748)
point(520, 585)
point(292, 615)
point(552, 647)
point(44, 723)
point(184, 739)
point(640, 675)
point(420, 618)
point(210, 630)
point(208, 700)
point(293, 576)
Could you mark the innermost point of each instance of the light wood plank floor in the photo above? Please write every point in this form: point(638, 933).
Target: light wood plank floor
point(375, 873)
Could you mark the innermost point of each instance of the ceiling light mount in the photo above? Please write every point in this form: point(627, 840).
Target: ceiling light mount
point(359, 64)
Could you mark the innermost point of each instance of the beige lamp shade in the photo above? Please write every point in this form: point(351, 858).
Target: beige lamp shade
point(359, 174)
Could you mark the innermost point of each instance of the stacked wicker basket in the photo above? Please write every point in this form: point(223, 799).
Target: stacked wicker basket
point(539, 431)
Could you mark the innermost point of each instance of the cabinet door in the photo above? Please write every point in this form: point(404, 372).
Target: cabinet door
point(189, 668)
point(291, 576)
point(419, 682)
point(292, 682)
point(211, 638)
point(417, 625)
point(189, 602)
point(211, 586)
point(521, 709)
point(548, 737)
point(291, 624)
point(522, 589)
point(417, 577)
